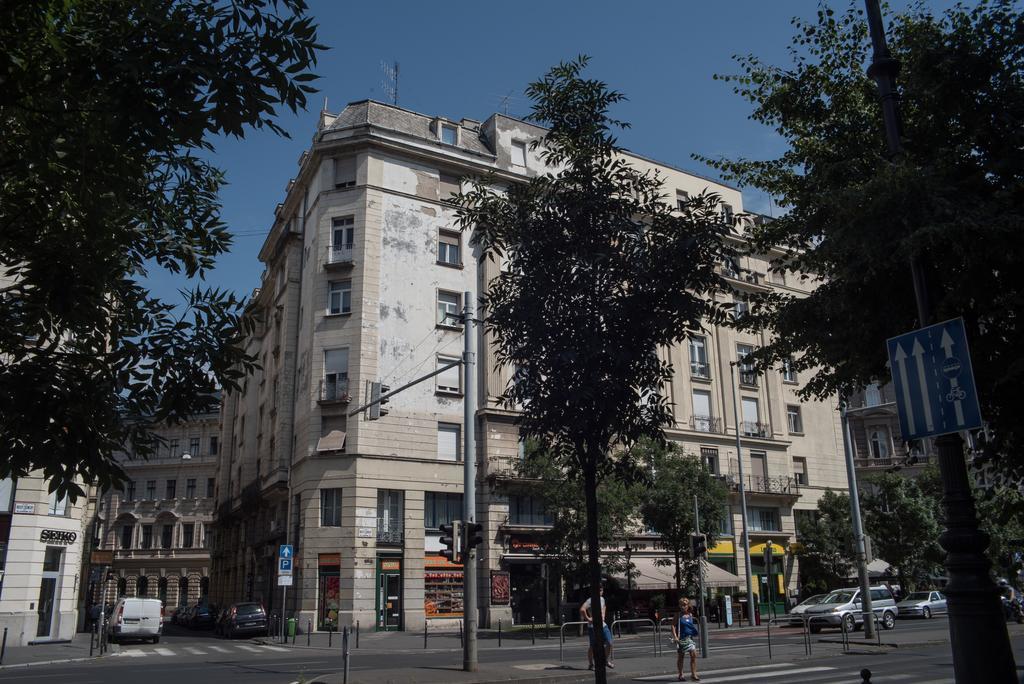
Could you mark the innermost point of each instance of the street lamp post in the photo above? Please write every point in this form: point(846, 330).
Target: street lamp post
point(980, 643)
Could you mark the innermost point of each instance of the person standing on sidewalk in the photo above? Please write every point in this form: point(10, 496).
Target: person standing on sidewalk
point(587, 616)
point(683, 632)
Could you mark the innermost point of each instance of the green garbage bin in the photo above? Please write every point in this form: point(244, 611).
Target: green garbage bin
point(291, 626)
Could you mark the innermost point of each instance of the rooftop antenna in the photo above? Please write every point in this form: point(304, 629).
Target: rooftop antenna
point(504, 100)
point(389, 83)
point(325, 103)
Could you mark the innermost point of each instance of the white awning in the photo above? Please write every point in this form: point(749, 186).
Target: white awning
point(647, 575)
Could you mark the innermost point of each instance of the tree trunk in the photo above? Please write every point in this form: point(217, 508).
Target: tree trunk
point(594, 562)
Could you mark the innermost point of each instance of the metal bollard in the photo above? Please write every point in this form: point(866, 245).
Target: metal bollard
point(865, 676)
point(425, 634)
point(330, 635)
point(533, 635)
point(499, 633)
point(462, 641)
point(357, 633)
point(92, 639)
point(3, 647)
point(309, 630)
point(769, 639)
point(345, 652)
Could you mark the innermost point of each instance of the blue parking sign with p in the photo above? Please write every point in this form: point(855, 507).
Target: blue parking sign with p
point(285, 565)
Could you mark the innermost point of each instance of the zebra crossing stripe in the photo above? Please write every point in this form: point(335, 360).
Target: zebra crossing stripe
point(220, 649)
point(278, 649)
point(163, 651)
point(251, 649)
point(195, 651)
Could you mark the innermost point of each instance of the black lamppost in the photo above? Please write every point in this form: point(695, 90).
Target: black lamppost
point(977, 628)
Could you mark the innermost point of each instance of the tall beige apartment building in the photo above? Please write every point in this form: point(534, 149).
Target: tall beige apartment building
point(362, 269)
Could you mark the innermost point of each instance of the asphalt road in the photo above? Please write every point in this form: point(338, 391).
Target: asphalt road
point(185, 657)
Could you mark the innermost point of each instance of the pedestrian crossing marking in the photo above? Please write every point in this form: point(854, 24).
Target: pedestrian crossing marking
point(276, 648)
point(251, 649)
point(758, 671)
point(163, 651)
point(195, 651)
point(220, 649)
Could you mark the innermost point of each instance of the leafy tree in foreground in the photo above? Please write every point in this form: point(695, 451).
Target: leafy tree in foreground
point(104, 107)
point(854, 218)
point(903, 525)
point(826, 544)
point(599, 275)
point(668, 503)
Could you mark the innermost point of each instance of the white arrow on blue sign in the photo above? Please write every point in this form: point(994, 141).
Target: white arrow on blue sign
point(285, 566)
point(934, 382)
point(286, 551)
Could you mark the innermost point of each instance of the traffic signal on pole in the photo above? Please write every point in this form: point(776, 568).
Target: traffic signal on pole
point(376, 409)
point(698, 546)
point(451, 537)
point(474, 534)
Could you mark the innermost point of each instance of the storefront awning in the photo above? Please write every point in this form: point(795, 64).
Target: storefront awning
point(647, 575)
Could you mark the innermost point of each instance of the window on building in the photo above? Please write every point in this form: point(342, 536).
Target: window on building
point(794, 419)
point(172, 486)
point(6, 499)
point(709, 456)
point(803, 519)
point(344, 172)
point(449, 134)
point(751, 418)
point(788, 374)
point(142, 586)
point(129, 491)
point(126, 537)
point(872, 395)
point(748, 375)
point(193, 447)
point(699, 367)
point(335, 374)
point(451, 379)
point(448, 185)
point(190, 488)
point(390, 516)
point(740, 308)
point(528, 510)
point(725, 527)
point(448, 248)
point(682, 197)
point(330, 507)
point(209, 487)
point(448, 306)
point(57, 506)
point(166, 536)
point(800, 470)
point(727, 213)
point(440, 509)
point(343, 232)
point(758, 468)
point(213, 445)
point(150, 490)
point(764, 519)
point(518, 153)
point(339, 297)
point(879, 442)
point(147, 537)
point(702, 419)
point(173, 448)
point(449, 442)
point(188, 531)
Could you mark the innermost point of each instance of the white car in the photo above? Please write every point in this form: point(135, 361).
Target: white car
point(136, 618)
point(922, 604)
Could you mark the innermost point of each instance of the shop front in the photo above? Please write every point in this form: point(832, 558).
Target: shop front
point(389, 593)
point(442, 587)
point(328, 590)
point(770, 582)
point(534, 596)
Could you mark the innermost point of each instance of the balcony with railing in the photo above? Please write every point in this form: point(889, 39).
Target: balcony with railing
point(706, 424)
point(700, 369)
point(390, 531)
point(758, 484)
point(914, 460)
point(334, 391)
point(339, 256)
point(748, 377)
point(753, 429)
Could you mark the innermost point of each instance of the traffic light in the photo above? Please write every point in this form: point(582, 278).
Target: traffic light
point(451, 537)
point(473, 534)
point(377, 390)
point(698, 546)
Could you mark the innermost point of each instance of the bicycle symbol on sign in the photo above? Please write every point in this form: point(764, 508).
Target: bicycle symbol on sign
point(956, 394)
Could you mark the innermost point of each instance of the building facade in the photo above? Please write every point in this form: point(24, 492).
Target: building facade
point(363, 273)
point(158, 525)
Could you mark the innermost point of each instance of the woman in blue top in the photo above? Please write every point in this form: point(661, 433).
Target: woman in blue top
point(683, 632)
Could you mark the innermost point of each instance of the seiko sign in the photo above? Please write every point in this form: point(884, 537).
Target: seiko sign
point(57, 537)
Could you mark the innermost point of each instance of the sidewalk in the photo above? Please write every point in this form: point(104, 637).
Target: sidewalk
point(44, 654)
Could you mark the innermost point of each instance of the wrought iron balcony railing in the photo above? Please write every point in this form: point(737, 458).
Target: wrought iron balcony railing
point(752, 429)
point(706, 424)
point(338, 255)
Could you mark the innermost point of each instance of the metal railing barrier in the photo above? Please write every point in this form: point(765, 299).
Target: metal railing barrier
point(561, 635)
point(661, 623)
point(646, 621)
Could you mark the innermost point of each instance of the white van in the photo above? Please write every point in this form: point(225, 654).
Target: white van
point(136, 618)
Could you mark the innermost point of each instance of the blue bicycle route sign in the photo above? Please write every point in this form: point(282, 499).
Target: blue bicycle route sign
point(934, 382)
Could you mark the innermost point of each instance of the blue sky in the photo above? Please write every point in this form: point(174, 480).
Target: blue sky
point(462, 59)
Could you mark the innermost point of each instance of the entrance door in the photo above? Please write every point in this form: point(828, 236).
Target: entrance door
point(48, 592)
point(389, 594)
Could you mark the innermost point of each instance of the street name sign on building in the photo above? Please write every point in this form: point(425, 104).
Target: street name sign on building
point(933, 380)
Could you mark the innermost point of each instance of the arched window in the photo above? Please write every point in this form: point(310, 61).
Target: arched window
point(161, 589)
point(183, 592)
point(142, 586)
point(122, 586)
point(879, 443)
point(204, 587)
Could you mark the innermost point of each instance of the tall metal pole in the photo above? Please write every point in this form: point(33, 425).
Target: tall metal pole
point(469, 655)
point(858, 527)
point(700, 587)
point(980, 642)
point(743, 496)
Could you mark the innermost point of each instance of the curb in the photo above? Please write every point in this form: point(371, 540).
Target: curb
point(49, 662)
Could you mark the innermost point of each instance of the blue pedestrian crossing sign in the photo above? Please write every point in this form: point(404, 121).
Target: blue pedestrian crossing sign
point(933, 380)
point(286, 551)
point(284, 565)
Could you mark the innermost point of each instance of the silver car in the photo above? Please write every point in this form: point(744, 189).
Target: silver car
point(842, 608)
point(922, 604)
point(796, 616)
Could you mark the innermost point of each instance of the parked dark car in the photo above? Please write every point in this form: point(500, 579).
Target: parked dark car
point(202, 616)
point(245, 618)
